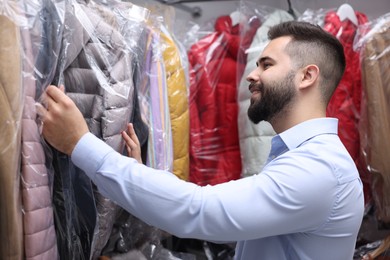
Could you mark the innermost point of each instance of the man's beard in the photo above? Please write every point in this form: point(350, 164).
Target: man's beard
point(275, 97)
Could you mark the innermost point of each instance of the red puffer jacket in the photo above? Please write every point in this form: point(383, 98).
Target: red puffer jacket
point(345, 103)
point(214, 69)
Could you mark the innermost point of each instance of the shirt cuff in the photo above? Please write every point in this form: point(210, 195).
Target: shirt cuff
point(89, 153)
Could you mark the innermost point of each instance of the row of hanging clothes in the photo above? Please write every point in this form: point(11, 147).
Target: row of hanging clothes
point(118, 63)
point(187, 98)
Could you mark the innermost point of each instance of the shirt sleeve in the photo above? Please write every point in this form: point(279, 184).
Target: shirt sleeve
point(249, 208)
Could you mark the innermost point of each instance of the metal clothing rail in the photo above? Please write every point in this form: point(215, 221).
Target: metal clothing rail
point(196, 11)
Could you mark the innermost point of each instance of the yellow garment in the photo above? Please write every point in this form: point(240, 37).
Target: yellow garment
point(178, 106)
point(11, 225)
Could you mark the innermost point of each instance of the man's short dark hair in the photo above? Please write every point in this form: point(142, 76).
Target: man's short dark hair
point(311, 44)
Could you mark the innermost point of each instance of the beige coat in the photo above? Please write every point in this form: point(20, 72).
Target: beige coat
point(375, 119)
point(11, 226)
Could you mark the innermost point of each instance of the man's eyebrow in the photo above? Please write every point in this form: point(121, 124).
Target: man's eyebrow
point(262, 60)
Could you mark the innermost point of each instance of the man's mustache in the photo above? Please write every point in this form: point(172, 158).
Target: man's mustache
point(256, 87)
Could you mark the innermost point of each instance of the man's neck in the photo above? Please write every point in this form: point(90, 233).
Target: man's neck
point(286, 120)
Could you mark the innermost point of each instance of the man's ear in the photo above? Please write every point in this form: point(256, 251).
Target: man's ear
point(310, 75)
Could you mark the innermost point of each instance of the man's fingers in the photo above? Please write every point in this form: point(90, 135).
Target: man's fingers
point(54, 93)
point(130, 143)
point(126, 137)
point(41, 110)
point(133, 136)
point(43, 113)
point(50, 103)
point(47, 99)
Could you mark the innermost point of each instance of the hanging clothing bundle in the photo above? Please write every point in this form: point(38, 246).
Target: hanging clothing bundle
point(373, 42)
point(11, 96)
point(214, 145)
point(92, 74)
point(154, 91)
point(100, 73)
point(171, 57)
point(39, 230)
point(177, 87)
point(110, 62)
point(165, 96)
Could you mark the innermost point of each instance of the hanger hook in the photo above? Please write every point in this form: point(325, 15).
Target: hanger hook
point(290, 9)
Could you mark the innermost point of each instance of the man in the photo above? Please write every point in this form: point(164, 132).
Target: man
point(307, 203)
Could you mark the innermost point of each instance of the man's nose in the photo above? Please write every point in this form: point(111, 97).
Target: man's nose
point(253, 76)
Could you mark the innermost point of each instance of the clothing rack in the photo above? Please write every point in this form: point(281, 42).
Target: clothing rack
point(195, 11)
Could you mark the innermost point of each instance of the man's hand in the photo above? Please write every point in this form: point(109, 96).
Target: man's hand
point(132, 143)
point(63, 123)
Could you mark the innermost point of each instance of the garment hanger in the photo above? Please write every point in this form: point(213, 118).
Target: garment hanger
point(346, 11)
point(235, 16)
point(291, 10)
point(195, 11)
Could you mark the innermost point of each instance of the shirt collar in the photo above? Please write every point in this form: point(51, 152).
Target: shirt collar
point(296, 135)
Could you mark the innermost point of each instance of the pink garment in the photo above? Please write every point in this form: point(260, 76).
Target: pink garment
point(39, 232)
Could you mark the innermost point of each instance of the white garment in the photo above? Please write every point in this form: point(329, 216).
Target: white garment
point(255, 140)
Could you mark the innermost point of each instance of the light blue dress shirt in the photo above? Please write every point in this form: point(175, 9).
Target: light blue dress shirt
point(307, 203)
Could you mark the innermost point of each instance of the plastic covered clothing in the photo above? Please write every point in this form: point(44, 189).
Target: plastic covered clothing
point(373, 43)
point(36, 180)
point(346, 99)
point(98, 52)
point(214, 66)
point(97, 69)
point(177, 88)
point(154, 105)
point(11, 97)
point(111, 66)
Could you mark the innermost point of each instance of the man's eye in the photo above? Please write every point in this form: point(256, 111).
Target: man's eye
point(266, 65)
